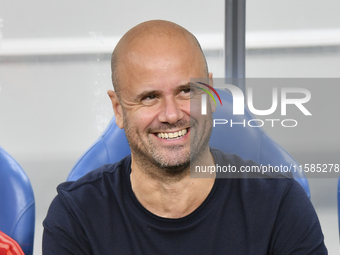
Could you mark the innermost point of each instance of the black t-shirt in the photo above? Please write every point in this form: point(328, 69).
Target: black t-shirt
point(99, 214)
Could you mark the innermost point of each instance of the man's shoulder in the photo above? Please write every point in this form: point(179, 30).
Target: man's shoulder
point(112, 172)
point(251, 185)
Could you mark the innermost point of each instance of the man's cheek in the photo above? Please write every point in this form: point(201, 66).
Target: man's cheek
point(195, 108)
point(212, 105)
point(143, 118)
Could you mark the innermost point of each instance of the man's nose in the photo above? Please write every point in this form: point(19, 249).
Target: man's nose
point(171, 111)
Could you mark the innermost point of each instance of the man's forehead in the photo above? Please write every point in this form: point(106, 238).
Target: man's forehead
point(145, 89)
point(150, 55)
point(153, 47)
point(161, 87)
point(153, 43)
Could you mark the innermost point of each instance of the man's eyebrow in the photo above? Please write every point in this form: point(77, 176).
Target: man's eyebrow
point(158, 92)
point(185, 86)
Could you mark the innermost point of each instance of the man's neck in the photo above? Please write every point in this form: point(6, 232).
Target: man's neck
point(171, 197)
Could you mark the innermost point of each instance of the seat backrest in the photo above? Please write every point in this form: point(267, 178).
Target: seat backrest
point(17, 205)
point(339, 204)
point(247, 142)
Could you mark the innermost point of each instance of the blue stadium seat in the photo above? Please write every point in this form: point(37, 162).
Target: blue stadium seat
point(339, 204)
point(248, 142)
point(17, 206)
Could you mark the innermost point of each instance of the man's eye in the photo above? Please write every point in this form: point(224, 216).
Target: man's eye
point(150, 97)
point(188, 92)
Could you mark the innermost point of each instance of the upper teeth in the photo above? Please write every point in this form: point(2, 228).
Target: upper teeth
point(172, 135)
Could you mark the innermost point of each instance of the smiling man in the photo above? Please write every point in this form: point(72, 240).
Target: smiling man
point(147, 203)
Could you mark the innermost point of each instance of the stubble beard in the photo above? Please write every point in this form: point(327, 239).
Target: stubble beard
point(199, 141)
point(155, 162)
point(149, 157)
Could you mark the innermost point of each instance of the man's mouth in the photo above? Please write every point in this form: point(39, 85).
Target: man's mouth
point(174, 135)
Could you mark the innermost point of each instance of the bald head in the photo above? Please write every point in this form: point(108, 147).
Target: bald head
point(152, 33)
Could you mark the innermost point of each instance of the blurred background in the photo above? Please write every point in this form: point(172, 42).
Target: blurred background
point(55, 71)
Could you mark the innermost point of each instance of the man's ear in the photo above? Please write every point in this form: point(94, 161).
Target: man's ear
point(211, 83)
point(117, 108)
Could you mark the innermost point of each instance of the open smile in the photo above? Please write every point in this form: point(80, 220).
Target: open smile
point(173, 135)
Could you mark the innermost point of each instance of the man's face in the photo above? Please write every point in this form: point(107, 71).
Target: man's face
point(154, 86)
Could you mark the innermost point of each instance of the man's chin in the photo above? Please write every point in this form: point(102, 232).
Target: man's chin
point(170, 159)
point(175, 169)
point(171, 162)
